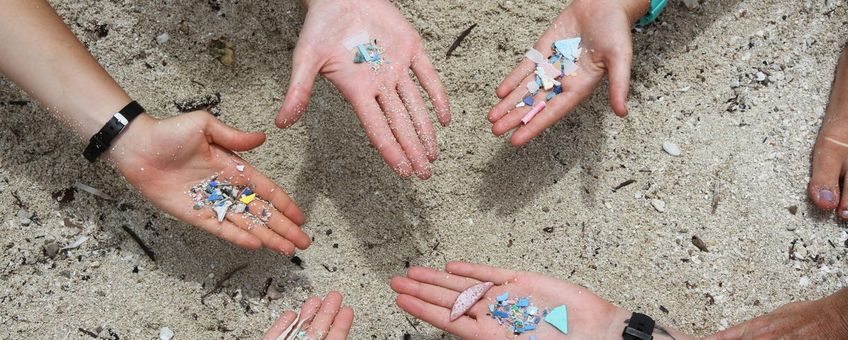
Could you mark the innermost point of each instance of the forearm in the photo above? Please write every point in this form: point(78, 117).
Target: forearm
point(43, 57)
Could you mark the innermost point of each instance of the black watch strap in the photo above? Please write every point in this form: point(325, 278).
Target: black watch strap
point(640, 327)
point(100, 142)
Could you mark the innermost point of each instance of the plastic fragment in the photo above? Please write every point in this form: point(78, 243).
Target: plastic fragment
point(550, 70)
point(520, 104)
point(221, 210)
point(569, 67)
point(246, 199)
point(357, 39)
point(240, 167)
point(509, 313)
point(93, 191)
point(502, 297)
point(558, 317)
point(528, 101)
point(550, 96)
point(569, 48)
point(76, 243)
point(535, 56)
point(533, 87)
point(165, 333)
point(468, 298)
point(672, 149)
point(532, 113)
point(238, 208)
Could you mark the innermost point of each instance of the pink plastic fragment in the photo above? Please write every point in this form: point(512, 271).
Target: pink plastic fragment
point(536, 109)
point(468, 298)
point(551, 71)
point(569, 67)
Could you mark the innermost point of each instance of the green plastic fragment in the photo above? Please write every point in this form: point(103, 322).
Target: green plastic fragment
point(558, 317)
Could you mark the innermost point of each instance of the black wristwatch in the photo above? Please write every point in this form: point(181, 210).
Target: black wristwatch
point(100, 142)
point(640, 327)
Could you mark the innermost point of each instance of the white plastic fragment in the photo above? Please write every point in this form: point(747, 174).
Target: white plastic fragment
point(357, 39)
point(163, 38)
point(520, 104)
point(570, 48)
point(76, 243)
point(671, 148)
point(238, 208)
point(288, 329)
point(569, 67)
point(658, 204)
point(221, 210)
point(535, 56)
point(93, 191)
point(240, 167)
point(165, 333)
point(533, 87)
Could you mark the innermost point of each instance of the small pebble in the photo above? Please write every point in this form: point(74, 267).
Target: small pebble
point(658, 204)
point(51, 248)
point(165, 333)
point(671, 148)
point(163, 38)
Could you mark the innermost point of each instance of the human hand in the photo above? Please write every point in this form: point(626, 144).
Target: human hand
point(604, 26)
point(320, 320)
point(820, 319)
point(165, 158)
point(429, 295)
point(387, 101)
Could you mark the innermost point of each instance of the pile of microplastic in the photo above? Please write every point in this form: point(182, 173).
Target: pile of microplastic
point(365, 50)
point(550, 73)
point(519, 315)
point(223, 197)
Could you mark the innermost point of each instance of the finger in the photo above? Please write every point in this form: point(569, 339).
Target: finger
point(279, 224)
point(257, 228)
point(341, 325)
point(310, 308)
point(320, 325)
point(283, 322)
point(270, 191)
point(513, 118)
point(404, 131)
point(230, 138)
point(516, 78)
point(429, 79)
point(420, 117)
point(227, 230)
point(434, 277)
point(575, 90)
point(619, 80)
point(464, 327)
point(507, 105)
point(481, 272)
point(380, 135)
point(304, 70)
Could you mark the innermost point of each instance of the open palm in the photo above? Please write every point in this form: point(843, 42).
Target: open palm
point(165, 158)
point(387, 100)
point(604, 26)
point(428, 294)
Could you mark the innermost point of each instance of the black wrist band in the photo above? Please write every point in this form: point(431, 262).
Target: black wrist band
point(100, 142)
point(640, 327)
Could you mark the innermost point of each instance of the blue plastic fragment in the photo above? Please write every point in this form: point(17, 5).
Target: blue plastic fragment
point(528, 101)
point(539, 80)
point(364, 52)
point(532, 337)
point(501, 314)
point(558, 89)
point(502, 297)
point(529, 327)
point(247, 192)
point(550, 96)
point(568, 47)
point(558, 317)
point(554, 58)
point(214, 197)
point(213, 184)
point(523, 302)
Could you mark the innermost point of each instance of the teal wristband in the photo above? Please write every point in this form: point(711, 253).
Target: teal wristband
point(657, 7)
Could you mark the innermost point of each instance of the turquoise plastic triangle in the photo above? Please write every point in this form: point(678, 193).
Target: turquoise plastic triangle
point(558, 318)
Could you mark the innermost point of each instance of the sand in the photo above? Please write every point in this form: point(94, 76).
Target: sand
point(547, 207)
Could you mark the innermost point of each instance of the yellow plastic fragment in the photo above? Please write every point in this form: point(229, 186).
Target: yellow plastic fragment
point(247, 199)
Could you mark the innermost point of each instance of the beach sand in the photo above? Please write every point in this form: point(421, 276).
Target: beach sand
point(739, 185)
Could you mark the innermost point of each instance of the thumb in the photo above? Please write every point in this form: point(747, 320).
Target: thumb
point(304, 70)
point(231, 138)
point(619, 80)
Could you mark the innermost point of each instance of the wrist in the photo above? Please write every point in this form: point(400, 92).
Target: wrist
point(130, 141)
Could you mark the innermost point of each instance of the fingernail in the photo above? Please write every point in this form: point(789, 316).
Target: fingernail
point(826, 195)
point(844, 214)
